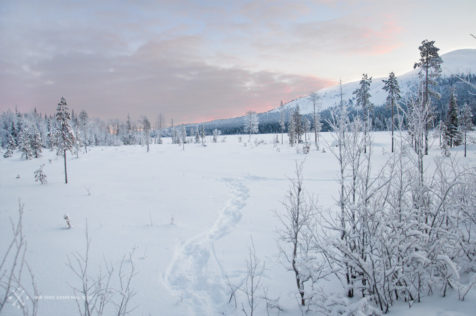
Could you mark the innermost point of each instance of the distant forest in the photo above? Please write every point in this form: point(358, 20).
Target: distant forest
point(381, 114)
point(15, 126)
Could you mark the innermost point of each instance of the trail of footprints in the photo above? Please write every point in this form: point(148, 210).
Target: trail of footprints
point(191, 275)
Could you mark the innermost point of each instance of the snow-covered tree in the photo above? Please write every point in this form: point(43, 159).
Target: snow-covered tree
point(292, 131)
point(183, 138)
point(251, 123)
point(216, 132)
point(430, 69)
point(307, 128)
point(24, 143)
point(466, 123)
point(282, 122)
point(317, 126)
point(362, 98)
point(452, 132)
point(298, 124)
point(35, 143)
point(146, 130)
point(160, 126)
point(202, 134)
point(393, 90)
point(10, 147)
point(197, 135)
point(316, 118)
point(83, 121)
point(50, 138)
point(128, 137)
point(64, 133)
point(40, 175)
point(296, 233)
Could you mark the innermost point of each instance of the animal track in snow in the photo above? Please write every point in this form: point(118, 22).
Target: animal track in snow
point(191, 274)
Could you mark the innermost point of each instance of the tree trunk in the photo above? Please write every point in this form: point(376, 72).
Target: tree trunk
point(427, 100)
point(392, 125)
point(465, 144)
point(315, 127)
point(65, 168)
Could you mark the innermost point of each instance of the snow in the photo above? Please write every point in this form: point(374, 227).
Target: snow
point(188, 214)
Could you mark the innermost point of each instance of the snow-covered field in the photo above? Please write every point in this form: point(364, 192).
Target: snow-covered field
point(188, 215)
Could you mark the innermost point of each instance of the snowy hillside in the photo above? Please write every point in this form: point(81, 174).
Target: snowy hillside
point(455, 62)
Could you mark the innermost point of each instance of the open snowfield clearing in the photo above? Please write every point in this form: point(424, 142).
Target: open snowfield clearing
point(189, 216)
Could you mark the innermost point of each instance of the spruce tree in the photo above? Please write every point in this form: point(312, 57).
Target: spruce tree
point(146, 126)
point(362, 98)
point(64, 133)
point(298, 125)
point(13, 133)
point(83, 127)
point(10, 147)
point(35, 143)
point(50, 141)
point(452, 133)
point(292, 131)
point(430, 69)
point(24, 143)
point(282, 122)
point(393, 90)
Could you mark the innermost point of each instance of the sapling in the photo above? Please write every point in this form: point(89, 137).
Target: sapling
point(68, 221)
point(40, 175)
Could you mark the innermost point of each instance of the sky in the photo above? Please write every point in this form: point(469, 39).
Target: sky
point(197, 60)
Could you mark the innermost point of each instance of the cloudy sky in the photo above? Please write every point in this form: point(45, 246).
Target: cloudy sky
point(196, 60)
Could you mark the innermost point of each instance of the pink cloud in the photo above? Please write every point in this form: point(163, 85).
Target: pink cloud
point(161, 77)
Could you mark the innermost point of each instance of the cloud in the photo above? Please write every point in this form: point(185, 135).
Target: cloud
point(161, 77)
point(202, 59)
point(348, 36)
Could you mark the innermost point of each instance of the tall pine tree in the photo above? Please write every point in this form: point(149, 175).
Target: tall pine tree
point(362, 97)
point(64, 133)
point(430, 69)
point(315, 98)
point(393, 90)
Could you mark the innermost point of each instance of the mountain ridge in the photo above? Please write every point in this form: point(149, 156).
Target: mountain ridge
point(457, 62)
point(462, 61)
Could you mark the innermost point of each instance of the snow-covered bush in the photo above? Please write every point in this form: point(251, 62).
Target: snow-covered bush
point(15, 272)
point(405, 231)
point(297, 239)
point(40, 175)
point(96, 295)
